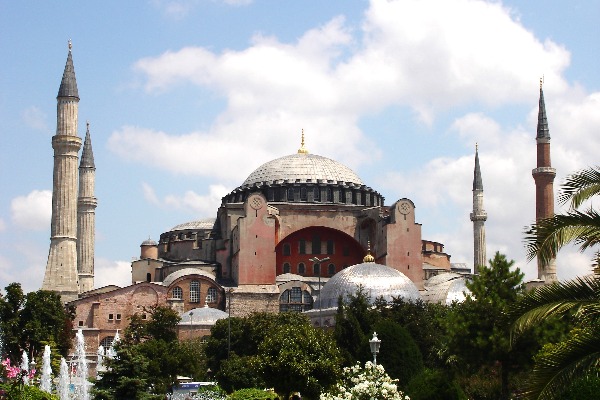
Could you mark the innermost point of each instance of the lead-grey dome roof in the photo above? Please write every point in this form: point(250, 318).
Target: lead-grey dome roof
point(375, 279)
point(202, 316)
point(186, 271)
point(446, 288)
point(302, 167)
point(206, 223)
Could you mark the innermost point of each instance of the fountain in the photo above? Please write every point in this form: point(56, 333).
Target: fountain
point(63, 381)
point(25, 368)
point(100, 362)
point(80, 380)
point(46, 378)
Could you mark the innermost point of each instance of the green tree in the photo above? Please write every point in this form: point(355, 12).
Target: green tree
point(28, 322)
point(299, 358)
point(546, 237)
point(576, 356)
point(399, 353)
point(241, 337)
point(353, 327)
point(149, 358)
point(479, 329)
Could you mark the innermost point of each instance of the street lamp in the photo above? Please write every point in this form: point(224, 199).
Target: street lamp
point(229, 291)
point(191, 323)
point(374, 343)
point(318, 262)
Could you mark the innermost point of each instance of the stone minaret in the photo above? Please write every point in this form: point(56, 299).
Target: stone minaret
point(61, 269)
point(478, 216)
point(86, 216)
point(544, 175)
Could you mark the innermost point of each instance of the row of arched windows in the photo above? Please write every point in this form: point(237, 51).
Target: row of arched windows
point(287, 269)
point(316, 245)
point(211, 295)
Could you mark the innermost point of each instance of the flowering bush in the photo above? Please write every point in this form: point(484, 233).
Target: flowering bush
point(15, 384)
point(365, 384)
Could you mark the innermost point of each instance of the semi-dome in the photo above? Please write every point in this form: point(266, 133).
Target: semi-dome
point(202, 316)
point(184, 272)
point(446, 288)
point(376, 281)
point(302, 168)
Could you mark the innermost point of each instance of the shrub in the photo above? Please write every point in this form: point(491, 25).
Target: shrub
point(434, 385)
point(253, 394)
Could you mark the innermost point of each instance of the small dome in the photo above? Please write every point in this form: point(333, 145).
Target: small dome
point(149, 242)
point(446, 288)
point(206, 224)
point(202, 316)
point(375, 279)
point(302, 167)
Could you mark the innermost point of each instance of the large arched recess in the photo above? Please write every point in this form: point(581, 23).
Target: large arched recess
point(298, 248)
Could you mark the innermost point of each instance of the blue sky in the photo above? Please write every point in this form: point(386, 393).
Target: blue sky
point(186, 98)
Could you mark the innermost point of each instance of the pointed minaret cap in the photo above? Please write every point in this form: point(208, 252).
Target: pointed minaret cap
point(68, 85)
point(477, 181)
point(542, 126)
point(87, 155)
point(369, 258)
point(302, 149)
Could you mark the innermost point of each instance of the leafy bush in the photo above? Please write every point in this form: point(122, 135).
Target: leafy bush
point(253, 394)
point(23, 392)
point(434, 385)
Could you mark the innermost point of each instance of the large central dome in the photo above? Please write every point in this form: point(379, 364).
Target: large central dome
point(301, 168)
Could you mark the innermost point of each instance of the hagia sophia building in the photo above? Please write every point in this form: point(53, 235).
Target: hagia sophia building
point(297, 233)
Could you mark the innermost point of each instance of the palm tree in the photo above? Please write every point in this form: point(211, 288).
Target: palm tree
point(547, 236)
point(579, 354)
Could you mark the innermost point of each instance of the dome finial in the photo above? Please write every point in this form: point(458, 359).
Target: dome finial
point(302, 149)
point(70, 45)
point(541, 81)
point(369, 258)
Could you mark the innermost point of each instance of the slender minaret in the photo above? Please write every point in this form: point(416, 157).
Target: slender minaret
point(61, 269)
point(86, 216)
point(544, 175)
point(478, 216)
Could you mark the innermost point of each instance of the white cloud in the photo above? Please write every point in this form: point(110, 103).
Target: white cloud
point(33, 211)
point(109, 272)
point(35, 118)
point(190, 201)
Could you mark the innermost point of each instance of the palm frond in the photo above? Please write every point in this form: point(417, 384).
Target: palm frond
point(549, 235)
point(580, 187)
point(580, 295)
point(555, 371)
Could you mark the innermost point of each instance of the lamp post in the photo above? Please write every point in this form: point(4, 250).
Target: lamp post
point(374, 343)
point(318, 262)
point(229, 291)
point(191, 324)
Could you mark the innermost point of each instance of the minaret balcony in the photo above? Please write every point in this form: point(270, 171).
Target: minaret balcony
point(480, 216)
point(543, 171)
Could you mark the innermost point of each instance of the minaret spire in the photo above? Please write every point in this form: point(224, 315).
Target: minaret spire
point(478, 216)
point(543, 176)
point(61, 268)
point(86, 216)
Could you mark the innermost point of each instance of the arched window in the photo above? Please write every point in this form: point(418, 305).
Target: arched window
point(290, 194)
point(177, 293)
point(303, 195)
point(287, 249)
point(317, 194)
point(331, 269)
point(317, 269)
point(329, 194)
point(286, 268)
point(330, 247)
point(107, 342)
point(148, 277)
point(316, 244)
point(302, 246)
point(301, 269)
point(295, 299)
point(194, 292)
point(211, 295)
